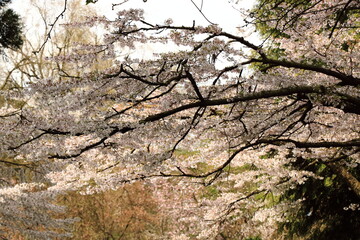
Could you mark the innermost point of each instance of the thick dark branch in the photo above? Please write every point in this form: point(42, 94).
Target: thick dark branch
point(96, 144)
point(142, 79)
point(45, 131)
point(244, 42)
point(340, 15)
point(323, 144)
point(226, 69)
point(154, 28)
point(193, 83)
point(253, 96)
point(198, 114)
point(148, 97)
point(307, 108)
point(133, 76)
point(346, 79)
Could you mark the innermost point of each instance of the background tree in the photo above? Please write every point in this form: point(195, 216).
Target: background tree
point(130, 212)
point(10, 28)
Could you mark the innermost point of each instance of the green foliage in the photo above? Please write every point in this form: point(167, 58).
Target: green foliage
point(322, 214)
point(253, 238)
point(345, 46)
point(269, 10)
point(185, 153)
point(240, 169)
point(211, 192)
point(314, 62)
point(269, 198)
point(17, 104)
point(267, 15)
point(270, 154)
point(276, 52)
point(10, 29)
point(2, 101)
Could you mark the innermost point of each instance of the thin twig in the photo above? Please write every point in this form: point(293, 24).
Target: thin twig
point(52, 27)
point(200, 10)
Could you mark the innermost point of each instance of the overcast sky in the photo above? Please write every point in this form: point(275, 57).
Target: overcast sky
point(225, 13)
point(222, 12)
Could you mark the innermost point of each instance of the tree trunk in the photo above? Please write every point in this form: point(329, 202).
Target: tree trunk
point(342, 172)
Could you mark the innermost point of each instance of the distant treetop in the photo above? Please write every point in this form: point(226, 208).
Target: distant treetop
point(10, 27)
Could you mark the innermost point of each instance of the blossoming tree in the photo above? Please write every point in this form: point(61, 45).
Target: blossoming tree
point(238, 122)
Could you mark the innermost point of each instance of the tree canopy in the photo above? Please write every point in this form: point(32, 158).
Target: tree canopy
point(252, 138)
point(10, 27)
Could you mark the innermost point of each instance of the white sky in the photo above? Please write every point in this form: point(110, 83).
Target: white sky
point(183, 12)
point(225, 13)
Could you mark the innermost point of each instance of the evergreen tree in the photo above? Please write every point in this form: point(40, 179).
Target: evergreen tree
point(10, 27)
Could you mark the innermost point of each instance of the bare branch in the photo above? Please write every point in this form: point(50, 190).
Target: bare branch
point(52, 27)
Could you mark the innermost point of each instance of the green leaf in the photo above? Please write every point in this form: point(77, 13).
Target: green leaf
point(345, 47)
